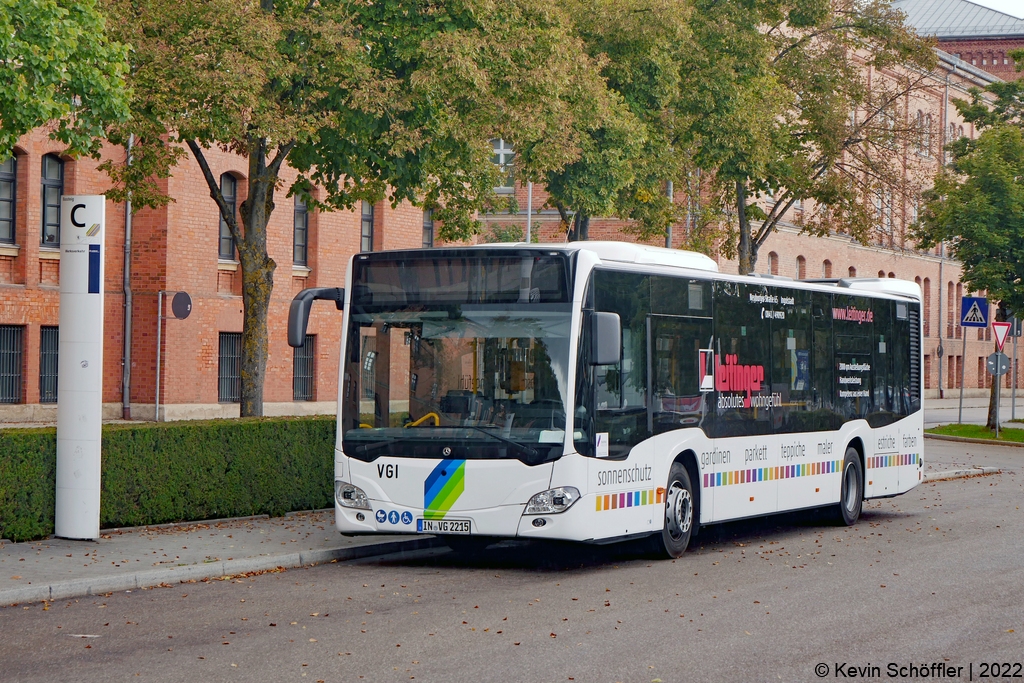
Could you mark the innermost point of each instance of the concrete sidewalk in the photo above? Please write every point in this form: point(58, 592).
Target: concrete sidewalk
point(126, 559)
point(130, 559)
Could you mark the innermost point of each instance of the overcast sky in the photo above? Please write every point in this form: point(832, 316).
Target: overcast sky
point(1014, 7)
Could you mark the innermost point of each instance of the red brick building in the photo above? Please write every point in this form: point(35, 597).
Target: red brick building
point(980, 36)
point(182, 247)
point(176, 248)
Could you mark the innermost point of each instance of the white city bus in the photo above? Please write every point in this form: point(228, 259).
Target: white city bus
point(601, 391)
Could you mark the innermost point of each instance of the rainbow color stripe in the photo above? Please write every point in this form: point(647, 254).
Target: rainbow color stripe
point(442, 488)
point(900, 460)
point(630, 499)
point(807, 469)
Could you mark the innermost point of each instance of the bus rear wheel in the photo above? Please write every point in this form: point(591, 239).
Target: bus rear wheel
point(679, 514)
point(851, 491)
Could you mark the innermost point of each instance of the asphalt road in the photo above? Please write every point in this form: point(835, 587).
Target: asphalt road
point(934, 576)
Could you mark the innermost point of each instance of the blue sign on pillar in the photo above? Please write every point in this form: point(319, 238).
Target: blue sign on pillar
point(973, 311)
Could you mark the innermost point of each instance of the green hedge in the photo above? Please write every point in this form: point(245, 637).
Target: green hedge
point(176, 471)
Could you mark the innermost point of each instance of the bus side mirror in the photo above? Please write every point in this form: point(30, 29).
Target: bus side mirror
point(605, 338)
point(298, 313)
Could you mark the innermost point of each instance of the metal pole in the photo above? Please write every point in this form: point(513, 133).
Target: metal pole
point(126, 342)
point(159, 329)
point(1013, 369)
point(963, 368)
point(997, 379)
point(939, 289)
point(668, 232)
point(529, 212)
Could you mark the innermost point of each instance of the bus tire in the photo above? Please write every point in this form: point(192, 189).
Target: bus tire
point(851, 489)
point(679, 514)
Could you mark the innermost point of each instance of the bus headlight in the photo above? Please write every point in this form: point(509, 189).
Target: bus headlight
point(350, 496)
point(552, 501)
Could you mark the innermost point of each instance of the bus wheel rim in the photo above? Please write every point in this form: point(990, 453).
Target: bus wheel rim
point(850, 501)
point(679, 514)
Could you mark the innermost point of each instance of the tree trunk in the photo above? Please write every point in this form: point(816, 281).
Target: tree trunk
point(747, 251)
point(580, 228)
point(257, 283)
point(1001, 316)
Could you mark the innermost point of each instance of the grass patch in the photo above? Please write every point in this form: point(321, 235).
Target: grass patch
point(979, 432)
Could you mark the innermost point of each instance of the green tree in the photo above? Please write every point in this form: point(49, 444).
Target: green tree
point(786, 113)
point(58, 68)
point(392, 99)
point(977, 204)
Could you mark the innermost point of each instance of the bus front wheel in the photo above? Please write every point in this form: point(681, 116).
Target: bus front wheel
point(679, 514)
point(851, 491)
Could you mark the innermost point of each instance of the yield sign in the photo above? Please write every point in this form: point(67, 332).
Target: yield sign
point(1001, 330)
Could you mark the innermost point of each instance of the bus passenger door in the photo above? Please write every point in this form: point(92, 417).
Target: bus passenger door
point(677, 401)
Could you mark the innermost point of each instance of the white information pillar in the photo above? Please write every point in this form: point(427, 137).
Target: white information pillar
point(80, 366)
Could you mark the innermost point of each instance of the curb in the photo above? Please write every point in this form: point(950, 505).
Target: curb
point(962, 473)
point(965, 439)
point(74, 588)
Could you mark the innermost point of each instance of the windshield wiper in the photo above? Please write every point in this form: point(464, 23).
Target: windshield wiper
point(532, 452)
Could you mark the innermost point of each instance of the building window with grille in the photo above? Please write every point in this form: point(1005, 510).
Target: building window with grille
point(49, 338)
point(826, 268)
point(229, 191)
point(366, 223)
point(801, 268)
point(229, 368)
point(773, 263)
point(300, 234)
point(503, 157)
point(303, 371)
point(53, 188)
point(428, 228)
point(10, 363)
point(8, 191)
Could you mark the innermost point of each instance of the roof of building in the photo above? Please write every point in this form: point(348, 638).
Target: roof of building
point(958, 19)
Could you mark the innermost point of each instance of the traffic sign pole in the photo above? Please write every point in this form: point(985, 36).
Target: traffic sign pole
point(963, 354)
point(973, 313)
point(1013, 380)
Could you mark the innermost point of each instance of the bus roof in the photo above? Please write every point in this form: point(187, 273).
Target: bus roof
point(646, 255)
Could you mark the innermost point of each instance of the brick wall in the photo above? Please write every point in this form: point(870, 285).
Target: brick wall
point(990, 55)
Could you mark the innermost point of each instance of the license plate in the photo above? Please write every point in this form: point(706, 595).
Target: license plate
point(443, 526)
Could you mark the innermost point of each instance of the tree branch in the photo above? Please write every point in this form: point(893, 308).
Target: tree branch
point(215, 193)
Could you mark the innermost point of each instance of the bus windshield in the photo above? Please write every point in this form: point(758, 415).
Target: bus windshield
point(481, 376)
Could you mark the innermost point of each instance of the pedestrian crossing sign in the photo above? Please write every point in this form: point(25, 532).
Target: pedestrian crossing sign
point(973, 311)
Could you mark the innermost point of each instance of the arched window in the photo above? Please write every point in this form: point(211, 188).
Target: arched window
point(53, 188)
point(892, 275)
point(826, 268)
point(919, 132)
point(959, 313)
point(881, 273)
point(852, 271)
point(8, 191)
point(229, 191)
point(960, 132)
point(300, 233)
point(927, 137)
point(949, 309)
point(773, 263)
point(926, 286)
point(801, 268)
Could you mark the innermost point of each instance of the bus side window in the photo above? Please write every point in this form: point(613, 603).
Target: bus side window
point(851, 323)
point(906, 351)
point(620, 391)
point(821, 361)
point(791, 381)
point(883, 409)
point(742, 346)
